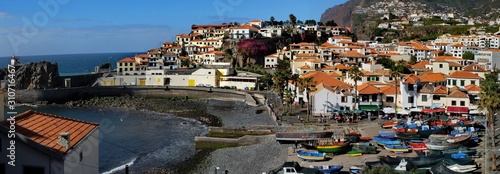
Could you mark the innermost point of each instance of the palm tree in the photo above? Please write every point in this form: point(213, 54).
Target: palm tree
point(395, 72)
point(489, 100)
point(355, 74)
point(307, 84)
point(293, 20)
point(272, 20)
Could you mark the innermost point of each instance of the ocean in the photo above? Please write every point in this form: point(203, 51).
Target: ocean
point(74, 64)
point(139, 139)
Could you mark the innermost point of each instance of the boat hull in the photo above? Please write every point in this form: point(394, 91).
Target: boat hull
point(332, 149)
point(294, 137)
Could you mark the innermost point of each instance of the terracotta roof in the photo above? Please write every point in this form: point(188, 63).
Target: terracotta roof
point(472, 88)
point(411, 79)
point(354, 54)
point(128, 59)
point(307, 55)
point(328, 68)
point(304, 67)
point(256, 20)
point(321, 86)
point(463, 74)
point(440, 90)
point(368, 73)
point(246, 27)
point(427, 89)
point(446, 58)
point(432, 77)
point(334, 74)
point(458, 45)
point(341, 67)
point(382, 71)
point(458, 94)
point(142, 56)
point(322, 77)
point(390, 90)
point(44, 129)
point(474, 67)
point(454, 64)
point(328, 45)
point(368, 89)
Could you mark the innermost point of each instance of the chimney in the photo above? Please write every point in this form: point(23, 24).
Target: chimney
point(64, 140)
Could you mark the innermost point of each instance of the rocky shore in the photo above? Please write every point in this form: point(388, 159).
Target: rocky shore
point(212, 112)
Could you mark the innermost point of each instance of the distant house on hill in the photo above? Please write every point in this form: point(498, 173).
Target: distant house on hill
point(49, 144)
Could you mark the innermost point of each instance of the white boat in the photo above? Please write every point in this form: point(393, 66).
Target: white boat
point(402, 165)
point(462, 168)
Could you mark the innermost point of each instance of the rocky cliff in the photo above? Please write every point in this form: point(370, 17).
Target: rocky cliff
point(41, 75)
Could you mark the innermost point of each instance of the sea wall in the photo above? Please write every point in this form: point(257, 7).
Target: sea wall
point(61, 95)
point(242, 141)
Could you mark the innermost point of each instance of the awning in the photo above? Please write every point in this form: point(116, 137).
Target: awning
point(389, 110)
point(403, 112)
point(439, 110)
point(416, 110)
point(475, 111)
point(433, 110)
point(457, 110)
point(369, 107)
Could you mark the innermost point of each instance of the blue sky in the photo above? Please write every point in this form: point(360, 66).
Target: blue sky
point(43, 27)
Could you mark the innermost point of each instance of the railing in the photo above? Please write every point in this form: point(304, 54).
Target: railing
point(100, 78)
point(371, 103)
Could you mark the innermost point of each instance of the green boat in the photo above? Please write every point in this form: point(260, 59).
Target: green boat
point(341, 147)
point(354, 153)
point(366, 148)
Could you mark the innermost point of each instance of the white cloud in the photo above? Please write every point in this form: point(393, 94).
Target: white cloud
point(5, 15)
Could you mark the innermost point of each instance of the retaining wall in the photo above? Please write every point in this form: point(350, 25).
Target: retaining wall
point(245, 140)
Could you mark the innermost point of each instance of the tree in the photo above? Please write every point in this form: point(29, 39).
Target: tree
point(489, 100)
point(468, 55)
point(331, 23)
point(307, 85)
point(356, 75)
point(310, 22)
point(293, 20)
point(354, 37)
point(395, 72)
point(272, 20)
point(250, 49)
point(413, 60)
point(105, 65)
point(320, 24)
point(385, 62)
point(299, 22)
point(385, 169)
point(185, 62)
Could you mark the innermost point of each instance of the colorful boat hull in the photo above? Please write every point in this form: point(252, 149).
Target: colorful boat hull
point(332, 149)
point(311, 156)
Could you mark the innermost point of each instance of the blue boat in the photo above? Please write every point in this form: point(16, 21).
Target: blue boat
point(378, 138)
point(311, 156)
point(387, 142)
point(328, 169)
point(386, 134)
point(459, 155)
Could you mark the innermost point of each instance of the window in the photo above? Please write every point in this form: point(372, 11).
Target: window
point(410, 87)
point(81, 155)
point(436, 97)
point(449, 81)
point(209, 72)
point(343, 99)
point(462, 82)
point(424, 98)
point(389, 99)
point(473, 82)
point(440, 65)
point(410, 99)
point(453, 103)
point(375, 97)
point(364, 98)
point(454, 82)
point(462, 103)
point(33, 169)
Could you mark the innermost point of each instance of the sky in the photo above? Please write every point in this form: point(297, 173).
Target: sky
point(46, 27)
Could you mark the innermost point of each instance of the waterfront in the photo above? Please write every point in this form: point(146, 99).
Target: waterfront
point(142, 139)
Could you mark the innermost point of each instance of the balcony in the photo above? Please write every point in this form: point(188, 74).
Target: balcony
point(375, 103)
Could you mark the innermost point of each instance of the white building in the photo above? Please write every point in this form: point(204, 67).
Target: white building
point(487, 59)
point(326, 99)
point(49, 144)
point(243, 32)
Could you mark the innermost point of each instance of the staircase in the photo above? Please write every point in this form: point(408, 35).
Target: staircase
point(100, 78)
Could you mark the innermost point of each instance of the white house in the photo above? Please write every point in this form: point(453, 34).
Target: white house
point(271, 60)
point(243, 32)
point(326, 99)
point(50, 144)
point(487, 59)
point(462, 79)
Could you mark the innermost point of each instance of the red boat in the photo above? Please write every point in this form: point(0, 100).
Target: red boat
point(406, 131)
point(417, 147)
point(365, 138)
point(388, 125)
point(438, 123)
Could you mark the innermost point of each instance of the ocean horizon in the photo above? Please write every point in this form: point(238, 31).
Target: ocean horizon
point(73, 64)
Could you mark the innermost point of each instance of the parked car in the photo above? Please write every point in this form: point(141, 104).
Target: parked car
point(208, 85)
point(200, 85)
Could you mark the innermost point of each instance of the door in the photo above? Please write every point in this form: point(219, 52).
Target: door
point(142, 82)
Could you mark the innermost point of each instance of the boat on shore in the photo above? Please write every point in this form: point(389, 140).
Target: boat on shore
point(311, 156)
point(354, 153)
point(396, 148)
point(440, 142)
point(356, 169)
point(328, 169)
point(332, 145)
point(296, 137)
point(461, 149)
point(417, 147)
point(365, 148)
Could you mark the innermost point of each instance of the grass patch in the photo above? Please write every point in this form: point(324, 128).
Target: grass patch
point(214, 146)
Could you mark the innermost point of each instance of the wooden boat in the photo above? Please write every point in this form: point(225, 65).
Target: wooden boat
point(386, 134)
point(308, 145)
point(406, 131)
point(332, 145)
point(365, 139)
point(462, 168)
point(327, 169)
point(440, 142)
point(294, 137)
point(310, 156)
point(425, 131)
point(460, 138)
point(365, 148)
point(389, 160)
point(425, 161)
point(387, 142)
point(437, 123)
point(462, 149)
point(356, 169)
point(396, 148)
point(417, 147)
point(388, 125)
point(403, 136)
point(440, 168)
point(354, 153)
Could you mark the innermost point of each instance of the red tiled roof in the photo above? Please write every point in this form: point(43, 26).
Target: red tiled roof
point(472, 87)
point(44, 129)
point(334, 74)
point(322, 77)
point(142, 56)
point(411, 79)
point(368, 89)
point(432, 77)
point(341, 67)
point(463, 74)
point(354, 54)
point(128, 59)
point(446, 58)
point(440, 90)
point(454, 64)
point(474, 67)
point(458, 94)
point(390, 90)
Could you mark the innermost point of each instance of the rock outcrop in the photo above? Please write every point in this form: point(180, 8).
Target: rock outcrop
point(41, 75)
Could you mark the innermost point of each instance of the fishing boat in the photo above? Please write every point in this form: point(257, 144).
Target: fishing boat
point(389, 160)
point(440, 168)
point(425, 161)
point(354, 153)
point(417, 147)
point(386, 134)
point(404, 136)
point(402, 165)
point(328, 169)
point(388, 125)
point(310, 156)
point(295, 137)
point(460, 138)
point(396, 148)
point(332, 145)
point(308, 145)
point(387, 142)
point(365, 139)
point(425, 131)
point(440, 142)
point(356, 169)
point(365, 148)
point(462, 149)
point(458, 155)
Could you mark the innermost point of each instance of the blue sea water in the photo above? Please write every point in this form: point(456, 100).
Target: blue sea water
point(73, 64)
point(139, 139)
